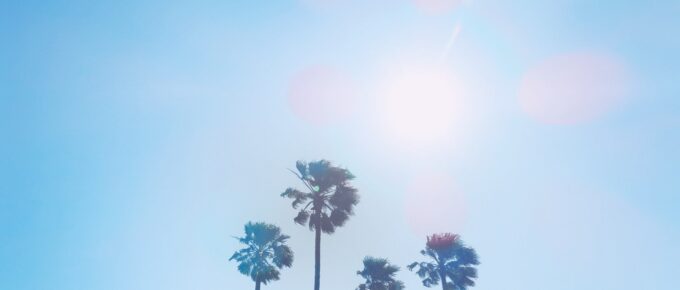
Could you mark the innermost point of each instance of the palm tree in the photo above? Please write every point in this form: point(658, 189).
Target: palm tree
point(450, 259)
point(328, 202)
point(379, 275)
point(265, 253)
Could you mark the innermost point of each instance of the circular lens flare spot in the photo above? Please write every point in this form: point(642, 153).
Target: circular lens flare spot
point(573, 88)
point(322, 95)
point(434, 204)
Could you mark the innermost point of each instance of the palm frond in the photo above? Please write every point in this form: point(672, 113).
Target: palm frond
point(314, 219)
point(326, 224)
point(396, 285)
point(245, 268)
point(283, 256)
point(324, 175)
point(302, 217)
point(338, 217)
point(302, 168)
point(344, 197)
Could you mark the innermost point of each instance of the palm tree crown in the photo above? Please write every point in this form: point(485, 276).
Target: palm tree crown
point(379, 275)
point(265, 253)
point(450, 259)
point(328, 200)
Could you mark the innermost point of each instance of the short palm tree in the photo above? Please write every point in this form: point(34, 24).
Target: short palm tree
point(327, 202)
point(379, 275)
point(265, 253)
point(450, 259)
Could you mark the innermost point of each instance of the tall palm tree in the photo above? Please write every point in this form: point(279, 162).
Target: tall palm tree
point(327, 202)
point(450, 259)
point(379, 275)
point(265, 253)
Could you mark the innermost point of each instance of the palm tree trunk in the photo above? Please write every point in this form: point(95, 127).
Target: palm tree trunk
point(443, 276)
point(257, 285)
point(317, 254)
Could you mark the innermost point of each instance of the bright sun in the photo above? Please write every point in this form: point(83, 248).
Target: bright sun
point(419, 105)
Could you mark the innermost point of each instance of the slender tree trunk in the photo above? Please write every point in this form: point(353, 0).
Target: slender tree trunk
point(443, 276)
point(257, 285)
point(317, 253)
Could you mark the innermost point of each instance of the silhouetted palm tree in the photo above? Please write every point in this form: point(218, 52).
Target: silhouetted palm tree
point(327, 202)
point(450, 259)
point(265, 254)
point(379, 275)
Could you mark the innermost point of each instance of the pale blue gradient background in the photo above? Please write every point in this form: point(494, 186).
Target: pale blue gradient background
point(139, 136)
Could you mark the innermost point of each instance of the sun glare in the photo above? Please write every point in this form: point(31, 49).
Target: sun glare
point(418, 105)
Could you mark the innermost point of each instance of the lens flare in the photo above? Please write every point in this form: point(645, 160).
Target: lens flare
point(434, 204)
point(322, 95)
point(574, 88)
point(420, 105)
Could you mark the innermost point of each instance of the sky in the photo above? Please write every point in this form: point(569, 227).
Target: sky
point(138, 137)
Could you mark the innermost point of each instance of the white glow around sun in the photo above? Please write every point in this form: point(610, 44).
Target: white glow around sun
point(419, 105)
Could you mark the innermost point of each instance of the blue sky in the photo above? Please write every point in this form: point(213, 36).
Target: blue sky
point(139, 136)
